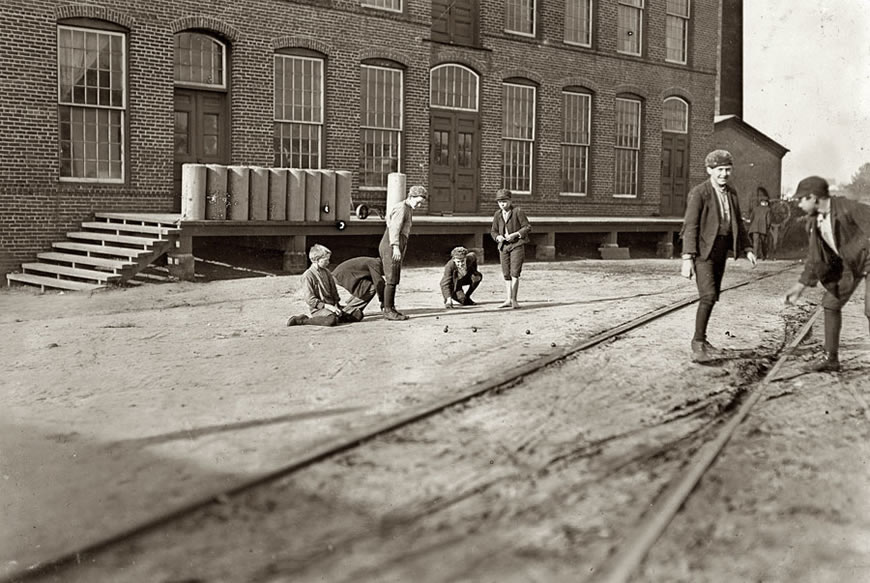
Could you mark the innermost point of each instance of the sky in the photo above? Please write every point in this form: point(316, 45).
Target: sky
point(806, 83)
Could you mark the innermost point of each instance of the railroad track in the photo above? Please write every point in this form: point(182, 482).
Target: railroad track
point(623, 562)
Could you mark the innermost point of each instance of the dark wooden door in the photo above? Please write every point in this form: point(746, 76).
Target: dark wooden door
point(675, 173)
point(455, 21)
point(201, 132)
point(454, 163)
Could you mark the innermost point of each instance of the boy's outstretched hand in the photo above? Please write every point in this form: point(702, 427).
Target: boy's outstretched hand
point(687, 270)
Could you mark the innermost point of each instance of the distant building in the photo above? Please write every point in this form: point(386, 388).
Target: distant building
point(581, 107)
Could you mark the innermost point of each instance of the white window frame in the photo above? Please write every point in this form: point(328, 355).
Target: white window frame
point(509, 142)
point(385, 5)
point(458, 77)
point(97, 108)
point(383, 127)
point(223, 46)
point(282, 122)
point(624, 143)
point(684, 114)
point(569, 29)
point(634, 7)
point(514, 8)
point(676, 20)
point(583, 141)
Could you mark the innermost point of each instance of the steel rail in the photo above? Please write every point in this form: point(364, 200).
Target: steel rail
point(356, 438)
point(625, 561)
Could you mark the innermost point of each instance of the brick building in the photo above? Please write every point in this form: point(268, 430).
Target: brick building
point(581, 107)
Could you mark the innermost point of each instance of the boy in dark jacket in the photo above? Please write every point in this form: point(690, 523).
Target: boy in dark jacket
point(363, 277)
point(510, 230)
point(838, 256)
point(759, 226)
point(460, 271)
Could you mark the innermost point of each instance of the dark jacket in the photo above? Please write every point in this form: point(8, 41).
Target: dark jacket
point(451, 275)
point(760, 220)
point(517, 222)
point(701, 222)
point(352, 273)
point(850, 221)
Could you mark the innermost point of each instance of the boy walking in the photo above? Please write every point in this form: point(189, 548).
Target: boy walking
point(838, 256)
point(460, 271)
point(712, 227)
point(393, 245)
point(510, 230)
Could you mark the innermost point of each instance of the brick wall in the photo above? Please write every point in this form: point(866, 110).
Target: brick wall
point(755, 164)
point(37, 209)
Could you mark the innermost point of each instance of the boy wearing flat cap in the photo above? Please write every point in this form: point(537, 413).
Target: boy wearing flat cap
point(712, 227)
point(393, 245)
point(510, 230)
point(459, 272)
point(838, 256)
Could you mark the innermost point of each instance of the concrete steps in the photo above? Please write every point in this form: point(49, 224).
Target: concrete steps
point(111, 249)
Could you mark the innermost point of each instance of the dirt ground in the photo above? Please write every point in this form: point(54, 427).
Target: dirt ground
point(127, 403)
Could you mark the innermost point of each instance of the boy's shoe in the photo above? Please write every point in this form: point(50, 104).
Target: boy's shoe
point(829, 362)
point(394, 315)
point(355, 315)
point(296, 320)
point(468, 302)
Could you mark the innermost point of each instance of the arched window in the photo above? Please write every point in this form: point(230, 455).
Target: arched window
point(627, 146)
point(518, 136)
point(200, 61)
point(675, 115)
point(453, 87)
point(381, 119)
point(576, 124)
point(299, 82)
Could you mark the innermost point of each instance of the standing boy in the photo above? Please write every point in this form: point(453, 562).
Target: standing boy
point(838, 256)
point(759, 225)
point(363, 277)
point(393, 245)
point(510, 230)
point(460, 271)
point(712, 227)
point(321, 294)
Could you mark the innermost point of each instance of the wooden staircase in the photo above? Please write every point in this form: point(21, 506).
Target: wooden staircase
point(109, 250)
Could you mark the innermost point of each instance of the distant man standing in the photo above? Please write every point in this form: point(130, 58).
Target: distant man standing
point(393, 245)
point(759, 225)
point(838, 256)
point(712, 227)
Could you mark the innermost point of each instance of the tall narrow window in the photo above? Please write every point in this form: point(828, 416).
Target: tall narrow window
point(381, 131)
point(629, 26)
point(627, 147)
point(391, 5)
point(677, 31)
point(578, 22)
point(576, 111)
point(92, 104)
point(519, 17)
point(298, 111)
point(675, 115)
point(518, 137)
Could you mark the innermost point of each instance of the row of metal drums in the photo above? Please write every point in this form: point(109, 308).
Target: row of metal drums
point(254, 193)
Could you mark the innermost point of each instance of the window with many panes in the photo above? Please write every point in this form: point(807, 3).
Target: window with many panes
point(391, 5)
point(677, 31)
point(675, 115)
point(381, 129)
point(578, 22)
point(200, 61)
point(627, 147)
point(629, 27)
point(518, 137)
point(576, 119)
point(453, 87)
point(92, 103)
point(519, 17)
point(298, 111)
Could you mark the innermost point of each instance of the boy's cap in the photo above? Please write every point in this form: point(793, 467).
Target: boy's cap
point(718, 158)
point(459, 252)
point(503, 194)
point(812, 185)
point(418, 191)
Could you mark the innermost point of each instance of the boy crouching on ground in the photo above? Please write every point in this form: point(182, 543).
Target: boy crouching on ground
point(321, 294)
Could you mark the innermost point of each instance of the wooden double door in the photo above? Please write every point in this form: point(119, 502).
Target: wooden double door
point(201, 131)
point(675, 174)
point(454, 161)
